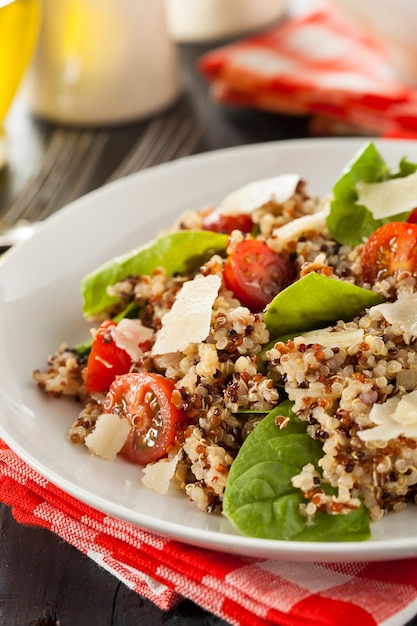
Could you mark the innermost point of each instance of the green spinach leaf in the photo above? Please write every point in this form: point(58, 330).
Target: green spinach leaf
point(315, 300)
point(259, 498)
point(178, 252)
point(405, 168)
point(348, 222)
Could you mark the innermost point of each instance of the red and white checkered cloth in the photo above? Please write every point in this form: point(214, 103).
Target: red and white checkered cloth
point(315, 64)
point(241, 590)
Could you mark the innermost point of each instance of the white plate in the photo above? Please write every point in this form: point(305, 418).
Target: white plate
point(40, 306)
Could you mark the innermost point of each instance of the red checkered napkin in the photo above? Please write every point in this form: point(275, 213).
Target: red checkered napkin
point(315, 64)
point(241, 590)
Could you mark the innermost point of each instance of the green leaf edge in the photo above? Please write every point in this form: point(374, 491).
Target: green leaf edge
point(348, 301)
point(178, 252)
point(257, 519)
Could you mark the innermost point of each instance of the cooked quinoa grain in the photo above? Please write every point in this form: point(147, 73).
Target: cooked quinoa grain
point(226, 383)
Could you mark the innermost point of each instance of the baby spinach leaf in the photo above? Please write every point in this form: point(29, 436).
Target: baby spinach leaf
point(259, 498)
point(179, 252)
point(348, 222)
point(315, 300)
point(405, 168)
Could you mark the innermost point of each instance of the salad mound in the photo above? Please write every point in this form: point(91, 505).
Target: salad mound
point(260, 355)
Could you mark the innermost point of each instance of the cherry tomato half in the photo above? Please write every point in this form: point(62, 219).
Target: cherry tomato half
point(412, 218)
point(145, 399)
point(220, 223)
point(105, 361)
point(255, 273)
point(390, 249)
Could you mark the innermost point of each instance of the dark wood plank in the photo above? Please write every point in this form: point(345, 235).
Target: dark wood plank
point(46, 582)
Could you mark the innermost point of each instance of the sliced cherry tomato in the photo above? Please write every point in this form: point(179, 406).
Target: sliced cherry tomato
point(145, 399)
point(105, 361)
point(255, 273)
point(412, 218)
point(220, 223)
point(390, 249)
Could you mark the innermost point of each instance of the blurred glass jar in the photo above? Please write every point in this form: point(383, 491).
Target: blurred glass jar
point(19, 21)
point(210, 20)
point(101, 62)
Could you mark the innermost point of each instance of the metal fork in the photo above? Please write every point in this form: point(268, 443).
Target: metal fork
point(70, 154)
point(72, 158)
point(180, 136)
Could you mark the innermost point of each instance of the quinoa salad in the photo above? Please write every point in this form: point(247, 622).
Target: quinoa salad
point(260, 355)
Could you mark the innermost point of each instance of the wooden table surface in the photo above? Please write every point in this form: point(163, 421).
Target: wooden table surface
point(43, 580)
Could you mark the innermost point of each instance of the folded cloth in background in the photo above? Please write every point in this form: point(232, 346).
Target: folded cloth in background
point(315, 64)
point(241, 590)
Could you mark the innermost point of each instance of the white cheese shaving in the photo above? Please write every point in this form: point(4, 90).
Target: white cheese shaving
point(389, 197)
point(189, 319)
point(394, 417)
point(157, 476)
point(254, 195)
point(301, 225)
point(402, 313)
point(327, 339)
point(128, 334)
point(109, 435)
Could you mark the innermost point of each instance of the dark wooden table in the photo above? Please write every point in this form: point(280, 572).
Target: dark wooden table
point(43, 580)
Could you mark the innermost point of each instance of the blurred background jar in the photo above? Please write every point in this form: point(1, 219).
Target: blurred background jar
point(103, 62)
point(19, 22)
point(193, 21)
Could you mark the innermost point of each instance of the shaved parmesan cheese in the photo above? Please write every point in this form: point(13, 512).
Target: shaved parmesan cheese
point(128, 334)
point(389, 197)
point(157, 476)
point(254, 195)
point(406, 411)
point(298, 227)
point(402, 313)
point(108, 436)
point(395, 417)
point(189, 319)
point(328, 339)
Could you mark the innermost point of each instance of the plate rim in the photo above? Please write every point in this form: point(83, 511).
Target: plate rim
point(232, 543)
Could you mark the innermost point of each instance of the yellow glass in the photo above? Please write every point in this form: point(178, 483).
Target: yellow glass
point(19, 23)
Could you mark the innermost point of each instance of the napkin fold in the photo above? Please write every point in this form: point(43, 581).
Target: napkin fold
point(315, 64)
point(241, 590)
